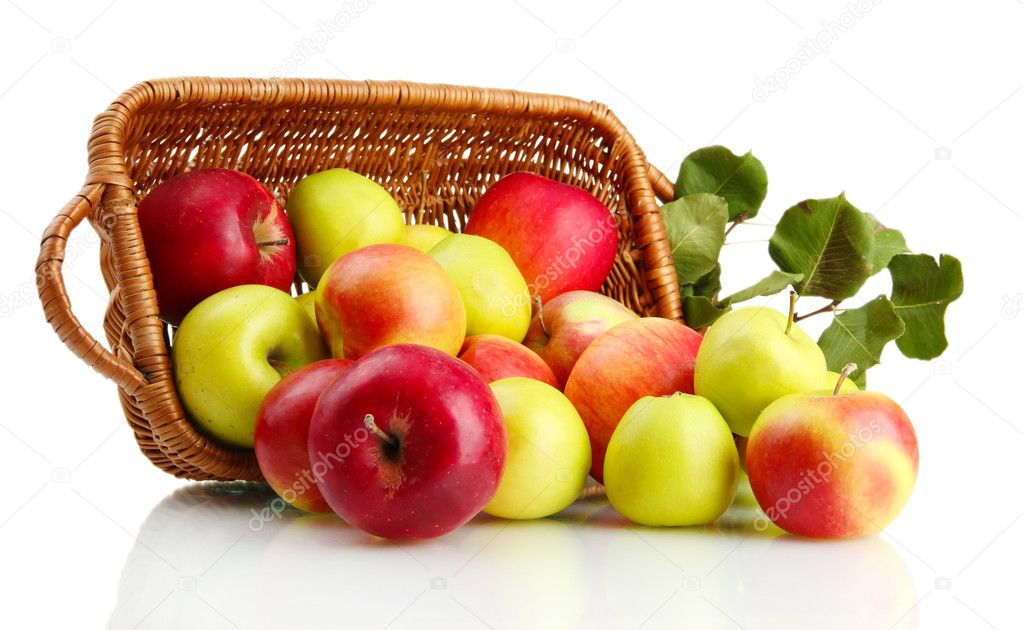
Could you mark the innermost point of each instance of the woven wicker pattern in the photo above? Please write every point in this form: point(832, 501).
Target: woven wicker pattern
point(434, 147)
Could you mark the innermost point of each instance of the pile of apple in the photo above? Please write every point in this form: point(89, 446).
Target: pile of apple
point(430, 375)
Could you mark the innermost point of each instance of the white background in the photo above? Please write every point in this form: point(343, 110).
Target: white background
point(913, 109)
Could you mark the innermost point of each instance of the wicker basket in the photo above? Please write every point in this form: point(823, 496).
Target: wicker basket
point(462, 138)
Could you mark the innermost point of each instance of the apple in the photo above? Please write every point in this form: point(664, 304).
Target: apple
point(337, 211)
point(751, 357)
point(832, 464)
point(833, 379)
point(496, 357)
point(407, 443)
point(561, 237)
point(565, 326)
point(424, 236)
point(671, 461)
point(308, 303)
point(231, 349)
point(548, 450)
point(208, 230)
point(648, 356)
point(281, 440)
point(495, 295)
point(387, 294)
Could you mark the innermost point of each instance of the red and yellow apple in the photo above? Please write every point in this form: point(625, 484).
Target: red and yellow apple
point(282, 433)
point(387, 294)
point(561, 237)
point(496, 357)
point(648, 356)
point(564, 327)
point(408, 442)
point(210, 230)
point(832, 466)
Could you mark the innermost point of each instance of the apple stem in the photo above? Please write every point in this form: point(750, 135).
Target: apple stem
point(275, 242)
point(372, 427)
point(824, 309)
point(846, 371)
point(421, 212)
point(792, 311)
point(539, 315)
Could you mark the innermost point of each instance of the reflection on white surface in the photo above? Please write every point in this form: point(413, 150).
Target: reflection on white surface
point(203, 561)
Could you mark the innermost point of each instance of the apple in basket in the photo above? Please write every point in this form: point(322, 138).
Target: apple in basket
point(209, 230)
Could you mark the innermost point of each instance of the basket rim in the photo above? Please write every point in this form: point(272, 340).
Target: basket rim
point(112, 194)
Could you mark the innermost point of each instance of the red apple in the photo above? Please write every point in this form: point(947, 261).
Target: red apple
point(407, 443)
point(832, 465)
point(560, 236)
point(649, 356)
point(562, 328)
point(496, 357)
point(209, 230)
point(282, 433)
point(386, 294)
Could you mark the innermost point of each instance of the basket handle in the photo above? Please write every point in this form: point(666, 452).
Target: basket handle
point(663, 188)
point(56, 304)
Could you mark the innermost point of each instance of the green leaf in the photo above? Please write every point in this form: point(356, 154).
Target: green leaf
point(741, 180)
point(887, 243)
point(709, 284)
point(775, 281)
point(699, 311)
point(696, 231)
point(830, 242)
point(921, 291)
point(859, 335)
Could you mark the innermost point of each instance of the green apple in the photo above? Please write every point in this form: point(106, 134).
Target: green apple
point(494, 293)
point(751, 357)
point(308, 302)
point(671, 461)
point(424, 236)
point(548, 450)
point(831, 379)
point(337, 211)
point(231, 349)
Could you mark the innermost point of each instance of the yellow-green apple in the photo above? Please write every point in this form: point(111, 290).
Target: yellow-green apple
point(209, 230)
point(281, 440)
point(308, 302)
point(424, 236)
point(833, 379)
point(496, 357)
point(832, 464)
point(231, 349)
point(751, 357)
point(561, 237)
point(565, 326)
point(495, 295)
point(387, 294)
point(335, 212)
point(671, 461)
point(648, 356)
point(407, 443)
point(548, 450)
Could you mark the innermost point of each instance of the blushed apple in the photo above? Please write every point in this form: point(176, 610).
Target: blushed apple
point(496, 357)
point(231, 349)
point(337, 211)
point(561, 237)
point(648, 356)
point(495, 295)
point(565, 326)
point(387, 294)
point(671, 461)
point(548, 450)
point(209, 230)
point(282, 433)
point(407, 443)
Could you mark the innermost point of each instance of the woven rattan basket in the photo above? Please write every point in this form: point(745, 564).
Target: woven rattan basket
point(278, 131)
